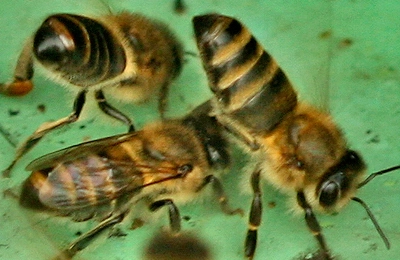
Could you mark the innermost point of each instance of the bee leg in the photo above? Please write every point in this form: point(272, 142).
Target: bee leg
point(241, 134)
point(254, 216)
point(173, 211)
point(162, 99)
point(220, 195)
point(23, 74)
point(45, 128)
point(112, 111)
point(82, 242)
point(313, 224)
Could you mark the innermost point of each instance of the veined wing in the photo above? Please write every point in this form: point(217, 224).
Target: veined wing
point(94, 180)
point(80, 150)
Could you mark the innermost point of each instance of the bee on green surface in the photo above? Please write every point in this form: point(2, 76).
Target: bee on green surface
point(126, 55)
point(165, 162)
point(295, 147)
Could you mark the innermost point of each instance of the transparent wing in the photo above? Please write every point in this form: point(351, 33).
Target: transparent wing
point(76, 151)
point(88, 182)
point(94, 180)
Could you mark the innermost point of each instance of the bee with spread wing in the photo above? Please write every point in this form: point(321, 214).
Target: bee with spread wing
point(166, 161)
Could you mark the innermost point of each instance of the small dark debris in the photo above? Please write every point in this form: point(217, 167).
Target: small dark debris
point(13, 112)
point(61, 142)
point(116, 232)
point(365, 238)
point(372, 247)
point(186, 218)
point(372, 139)
point(41, 108)
point(271, 204)
point(345, 43)
point(82, 126)
point(137, 223)
point(375, 139)
point(78, 233)
point(325, 34)
point(179, 6)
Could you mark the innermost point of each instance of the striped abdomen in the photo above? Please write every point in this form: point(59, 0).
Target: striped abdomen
point(81, 49)
point(248, 83)
point(82, 188)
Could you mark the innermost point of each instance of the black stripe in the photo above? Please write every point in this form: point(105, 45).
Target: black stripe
point(248, 52)
point(269, 106)
point(209, 47)
point(258, 70)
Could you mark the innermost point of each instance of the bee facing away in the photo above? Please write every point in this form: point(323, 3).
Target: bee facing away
point(296, 148)
point(125, 55)
point(168, 161)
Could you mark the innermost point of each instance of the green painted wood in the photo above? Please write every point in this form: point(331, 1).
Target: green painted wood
point(348, 49)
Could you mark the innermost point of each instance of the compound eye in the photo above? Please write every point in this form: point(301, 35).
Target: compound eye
point(330, 193)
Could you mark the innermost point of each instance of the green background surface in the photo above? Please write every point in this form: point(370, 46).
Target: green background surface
point(346, 52)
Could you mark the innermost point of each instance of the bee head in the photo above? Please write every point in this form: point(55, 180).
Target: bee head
point(341, 181)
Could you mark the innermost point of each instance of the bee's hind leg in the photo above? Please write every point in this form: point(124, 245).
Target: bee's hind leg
point(83, 241)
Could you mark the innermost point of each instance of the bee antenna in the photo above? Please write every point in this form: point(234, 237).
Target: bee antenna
point(374, 221)
point(373, 175)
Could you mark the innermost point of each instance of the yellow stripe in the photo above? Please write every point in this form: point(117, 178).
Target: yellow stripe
point(249, 90)
point(234, 74)
point(226, 53)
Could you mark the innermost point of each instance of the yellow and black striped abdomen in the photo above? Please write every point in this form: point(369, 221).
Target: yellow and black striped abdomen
point(249, 85)
point(83, 188)
point(82, 50)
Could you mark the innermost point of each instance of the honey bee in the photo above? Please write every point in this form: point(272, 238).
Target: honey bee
point(126, 55)
point(295, 147)
point(165, 162)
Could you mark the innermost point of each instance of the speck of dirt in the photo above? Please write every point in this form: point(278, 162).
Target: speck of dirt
point(41, 108)
point(13, 112)
point(137, 223)
point(345, 43)
point(186, 218)
point(117, 232)
point(325, 34)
